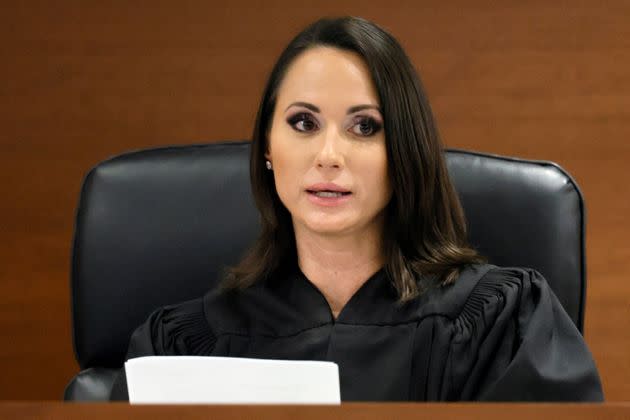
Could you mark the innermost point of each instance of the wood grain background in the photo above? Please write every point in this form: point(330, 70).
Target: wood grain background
point(81, 81)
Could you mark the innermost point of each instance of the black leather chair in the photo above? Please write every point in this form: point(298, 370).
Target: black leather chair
point(156, 226)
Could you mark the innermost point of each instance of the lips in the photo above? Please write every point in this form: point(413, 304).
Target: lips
point(327, 187)
point(328, 194)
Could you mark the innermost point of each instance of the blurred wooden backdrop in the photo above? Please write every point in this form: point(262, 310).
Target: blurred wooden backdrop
point(81, 81)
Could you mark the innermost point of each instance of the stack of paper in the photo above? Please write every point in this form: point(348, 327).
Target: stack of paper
point(230, 380)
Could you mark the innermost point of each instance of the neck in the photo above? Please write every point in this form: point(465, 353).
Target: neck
point(338, 265)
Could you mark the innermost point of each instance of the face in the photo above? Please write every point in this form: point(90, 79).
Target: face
point(327, 145)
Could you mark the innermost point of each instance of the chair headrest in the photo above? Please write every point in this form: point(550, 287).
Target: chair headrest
point(157, 226)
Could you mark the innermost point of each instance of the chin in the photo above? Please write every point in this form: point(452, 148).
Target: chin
point(328, 231)
point(327, 227)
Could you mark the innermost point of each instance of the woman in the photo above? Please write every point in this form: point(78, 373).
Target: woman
point(363, 259)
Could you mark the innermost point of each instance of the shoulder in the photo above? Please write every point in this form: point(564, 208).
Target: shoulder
point(510, 339)
point(179, 329)
point(482, 289)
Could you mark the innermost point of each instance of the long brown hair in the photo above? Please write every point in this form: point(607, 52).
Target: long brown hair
point(425, 239)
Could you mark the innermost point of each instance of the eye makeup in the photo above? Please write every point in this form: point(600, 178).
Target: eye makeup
point(303, 122)
point(365, 125)
point(362, 124)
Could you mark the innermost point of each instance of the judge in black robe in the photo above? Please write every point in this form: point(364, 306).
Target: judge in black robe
point(361, 168)
point(496, 334)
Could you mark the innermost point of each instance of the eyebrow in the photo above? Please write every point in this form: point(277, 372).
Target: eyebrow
point(358, 108)
point(351, 110)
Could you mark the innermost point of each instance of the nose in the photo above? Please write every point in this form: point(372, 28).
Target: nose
point(330, 155)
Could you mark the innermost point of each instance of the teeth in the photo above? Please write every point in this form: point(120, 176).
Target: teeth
point(328, 194)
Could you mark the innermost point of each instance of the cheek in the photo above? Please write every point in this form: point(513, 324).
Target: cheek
point(285, 182)
point(281, 158)
point(287, 174)
point(375, 170)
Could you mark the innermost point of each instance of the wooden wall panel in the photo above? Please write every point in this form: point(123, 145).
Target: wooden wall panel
point(81, 81)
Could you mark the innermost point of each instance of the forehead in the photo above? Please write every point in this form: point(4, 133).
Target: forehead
point(328, 75)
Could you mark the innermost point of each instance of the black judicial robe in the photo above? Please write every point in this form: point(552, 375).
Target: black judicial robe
point(497, 334)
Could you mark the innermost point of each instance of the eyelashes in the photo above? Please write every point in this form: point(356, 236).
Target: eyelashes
point(303, 122)
point(363, 126)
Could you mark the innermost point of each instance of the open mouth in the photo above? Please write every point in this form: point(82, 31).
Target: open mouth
point(328, 194)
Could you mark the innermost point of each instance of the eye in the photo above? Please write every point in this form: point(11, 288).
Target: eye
point(303, 122)
point(365, 126)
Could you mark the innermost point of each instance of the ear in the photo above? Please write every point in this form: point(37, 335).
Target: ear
point(267, 138)
point(268, 153)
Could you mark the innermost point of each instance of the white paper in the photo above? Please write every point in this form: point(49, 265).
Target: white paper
point(230, 380)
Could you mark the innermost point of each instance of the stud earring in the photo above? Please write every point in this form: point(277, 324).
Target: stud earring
point(268, 164)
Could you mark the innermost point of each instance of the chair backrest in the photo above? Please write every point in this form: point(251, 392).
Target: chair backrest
point(157, 226)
